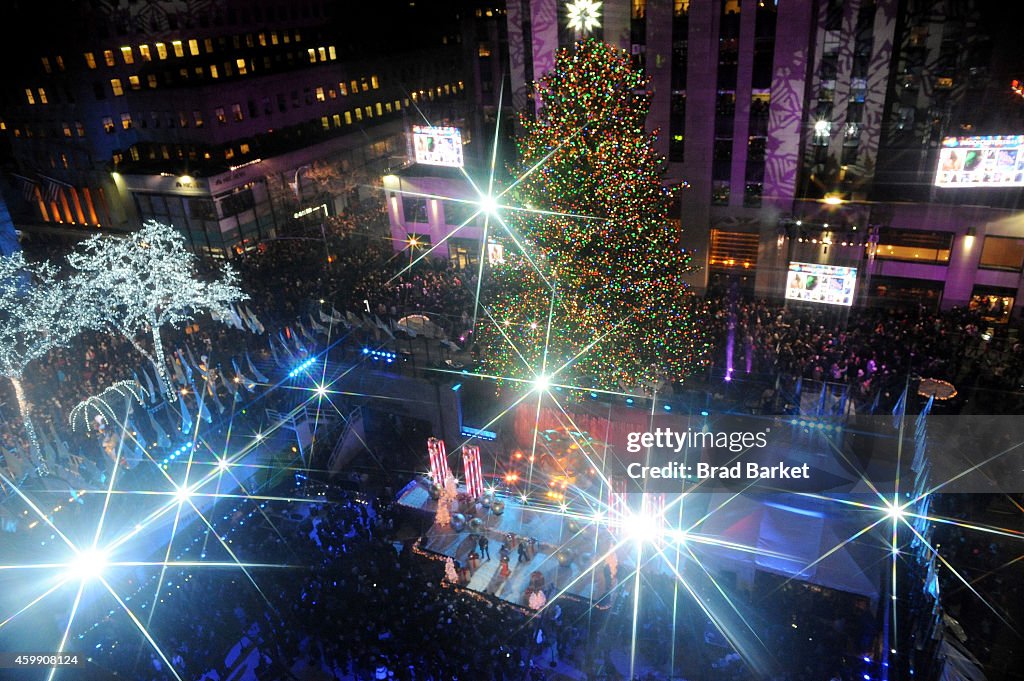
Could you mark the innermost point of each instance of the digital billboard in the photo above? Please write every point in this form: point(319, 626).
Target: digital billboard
point(437, 146)
point(815, 283)
point(981, 162)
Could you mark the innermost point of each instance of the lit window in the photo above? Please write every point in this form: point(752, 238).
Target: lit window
point(108, 57)
point(127, 55)
point(380, 109)
point(243, 148)
point(343, 89)
point(369, 112)
point(262, 38)
point(208, 45)
point(332, 94)
point(219, 115)
point(199, 71)
point(398, 105)
point(359, 114)
point(331, 53)
point(182, 119)
point(115, 85)
point(67, 129)
point(108, 124)
point(161, 50)
point(79, 129)
point(286, 37)
point(374, 82)
point(213, 71)
point(179, 48)
point(447, 89)
point(151, 80)
point(29, 96)
point(336, 119)
point(387, 107)
point(126, 121)
point(348, 118)
point(366, 85)
point(320, 94)
point(236, 112)
point(312, 55)
point(144, 53)
point(60, 62)
point(273, 37)
point(134, 82)
point(229, 153)
point(193, 47)
point(325, 123)
point(90, 60)
point(42, 96)
point(298, 37)
point(240, 64)
point(197, 116)
point(323, 53)
point(46, 65)
point(355, 87)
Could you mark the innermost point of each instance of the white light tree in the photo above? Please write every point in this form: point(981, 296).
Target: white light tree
point(38, 313)
point(148, 279)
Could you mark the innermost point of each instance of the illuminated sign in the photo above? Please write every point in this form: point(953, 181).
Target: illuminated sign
point(981, 162)
point(495, 253)
point(815, 283)
point(437, 146)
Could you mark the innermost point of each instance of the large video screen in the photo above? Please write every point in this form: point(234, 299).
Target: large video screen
point(981, 162)
point(437, 146)
point(821, 283)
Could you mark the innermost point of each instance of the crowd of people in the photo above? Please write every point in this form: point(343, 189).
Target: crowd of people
point(366, 604)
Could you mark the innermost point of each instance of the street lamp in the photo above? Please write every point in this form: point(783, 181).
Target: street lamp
point(300, 213)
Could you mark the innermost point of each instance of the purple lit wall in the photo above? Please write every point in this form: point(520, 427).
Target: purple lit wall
point(785, 117)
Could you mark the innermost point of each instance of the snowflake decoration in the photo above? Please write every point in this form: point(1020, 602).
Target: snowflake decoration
point(584, 15)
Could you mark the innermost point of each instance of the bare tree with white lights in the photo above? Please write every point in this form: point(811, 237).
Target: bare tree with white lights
point(148, 279)
point(38, 313)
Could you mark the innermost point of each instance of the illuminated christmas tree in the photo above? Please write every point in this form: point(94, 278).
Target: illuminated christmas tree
point(598, 298)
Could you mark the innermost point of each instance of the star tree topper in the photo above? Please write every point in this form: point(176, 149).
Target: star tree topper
point(584, 15)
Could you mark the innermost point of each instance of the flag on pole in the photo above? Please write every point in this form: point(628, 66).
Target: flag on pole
point(472, 471)
point(900, 409)
point(439, 470)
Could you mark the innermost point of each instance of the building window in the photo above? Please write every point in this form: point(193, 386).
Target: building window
point(108, 124)
point(380, 109)
point(241, 66)
point(134, 82)
point(359, 114)
point(161, 50)
point(213, 71)
point(343, 89)
point(90, 60)
point(67, 129)
point(197, 117)
point(108, 57)
point(323, 53)
point(243, 148)
point(42, 96)
point(208, 45)
point(348, 118)
point(1002, 253)
point(914, 245)
point(151, 81)
point(193, 47)
point(126, 121)
point(236, 112)
point(30, 96)
point(127, 55)
point(79, 129)
point(144, 53)
point(179, 48)
point(115, 85)
point(331, 53)
point(320, 94)
point(733, 249)
point(46, 65)
point(218, 113)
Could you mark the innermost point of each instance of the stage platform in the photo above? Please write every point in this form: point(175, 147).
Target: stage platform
point(790, 535)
